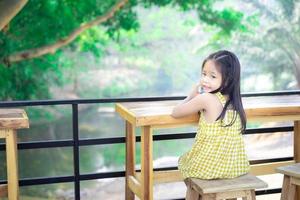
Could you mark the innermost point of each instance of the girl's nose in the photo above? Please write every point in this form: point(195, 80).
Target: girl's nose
point(205, 79)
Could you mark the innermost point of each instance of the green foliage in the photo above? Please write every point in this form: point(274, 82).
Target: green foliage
point(288, 8)
point(93, 40)
point(45, 22)
point(273, 44)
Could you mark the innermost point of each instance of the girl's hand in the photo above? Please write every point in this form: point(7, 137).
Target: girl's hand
point(196, 90)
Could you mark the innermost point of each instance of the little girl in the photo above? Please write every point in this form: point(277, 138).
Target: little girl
point(218, 150)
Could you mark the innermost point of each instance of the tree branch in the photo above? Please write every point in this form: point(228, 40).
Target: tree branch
point(9, 9)
point(52, 48)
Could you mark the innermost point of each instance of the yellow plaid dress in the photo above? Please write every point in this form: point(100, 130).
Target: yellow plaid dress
point(218, 151)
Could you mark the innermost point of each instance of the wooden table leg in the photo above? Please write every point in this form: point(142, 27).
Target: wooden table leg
point(146, 163)
point(12, 165)
point(297, 150)
point(130, 159)
point(285, 187)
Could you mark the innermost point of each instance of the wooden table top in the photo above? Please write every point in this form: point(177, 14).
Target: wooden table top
point(291, 170)
point(267, 108)
point(13, 119)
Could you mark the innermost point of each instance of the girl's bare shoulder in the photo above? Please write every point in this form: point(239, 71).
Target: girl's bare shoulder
point(209, 99)
point(208, 96)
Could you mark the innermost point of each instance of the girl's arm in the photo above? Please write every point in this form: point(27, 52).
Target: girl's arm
point(192, 94)
point(193, 103)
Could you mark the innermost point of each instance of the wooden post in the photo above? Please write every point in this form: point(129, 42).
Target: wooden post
point(12, 165)
point(146, 163)
point(285, 187)
point(297, 150)
point(130, 159)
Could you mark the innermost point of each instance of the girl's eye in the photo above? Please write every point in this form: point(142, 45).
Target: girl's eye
point(213, 76)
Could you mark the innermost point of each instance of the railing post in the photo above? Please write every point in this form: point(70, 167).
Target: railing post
point(76, 151)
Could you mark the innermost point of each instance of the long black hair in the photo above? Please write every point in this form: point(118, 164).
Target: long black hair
point(230, 69)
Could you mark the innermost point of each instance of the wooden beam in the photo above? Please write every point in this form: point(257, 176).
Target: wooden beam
point(125, 113)
point(130, 158)
point(258, 169)
point(268, 168)
point(12, 165)
point(279, 118)
point(135, 186)
point(147, 163)
point(167, 176)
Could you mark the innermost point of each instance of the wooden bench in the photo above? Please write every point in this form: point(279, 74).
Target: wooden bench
point(240, 187)
point(10, 120)
point(290, 181)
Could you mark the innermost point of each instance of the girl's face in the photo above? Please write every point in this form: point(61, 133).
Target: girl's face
point(211, 78)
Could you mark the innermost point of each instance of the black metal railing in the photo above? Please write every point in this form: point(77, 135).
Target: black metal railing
point(76, 142)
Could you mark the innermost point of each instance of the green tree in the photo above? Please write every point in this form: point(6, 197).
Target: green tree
point(281, 37)
point(269, 49)
point(34, 42)
point(272, 46)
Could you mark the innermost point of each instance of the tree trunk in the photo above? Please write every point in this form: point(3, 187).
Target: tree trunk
point(52, 48)
point(9, 9)
point(297, 70)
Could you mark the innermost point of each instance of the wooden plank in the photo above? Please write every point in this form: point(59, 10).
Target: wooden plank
point(279, 118)
point(272, 111)
point(179, 125)
point(13, 119)
point(245, 182)
point(138, 176)
point(290, 170)
point(233, 194)
point(147, 163)
point(167, 176)
point(275, 108)
point(12, 165)
point(125, 113)
point(130, 158)
point(268, 168)
point(258, 169)
point(166, 120)
point(135, 186)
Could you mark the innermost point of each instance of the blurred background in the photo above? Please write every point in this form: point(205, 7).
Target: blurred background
point(148, 48)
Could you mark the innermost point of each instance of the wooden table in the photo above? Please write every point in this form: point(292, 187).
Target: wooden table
point(154, 115)
point(10, 120)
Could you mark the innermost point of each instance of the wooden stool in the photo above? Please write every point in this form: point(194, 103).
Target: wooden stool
point(243, 186)
point(11, 119)
point(290, 181)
